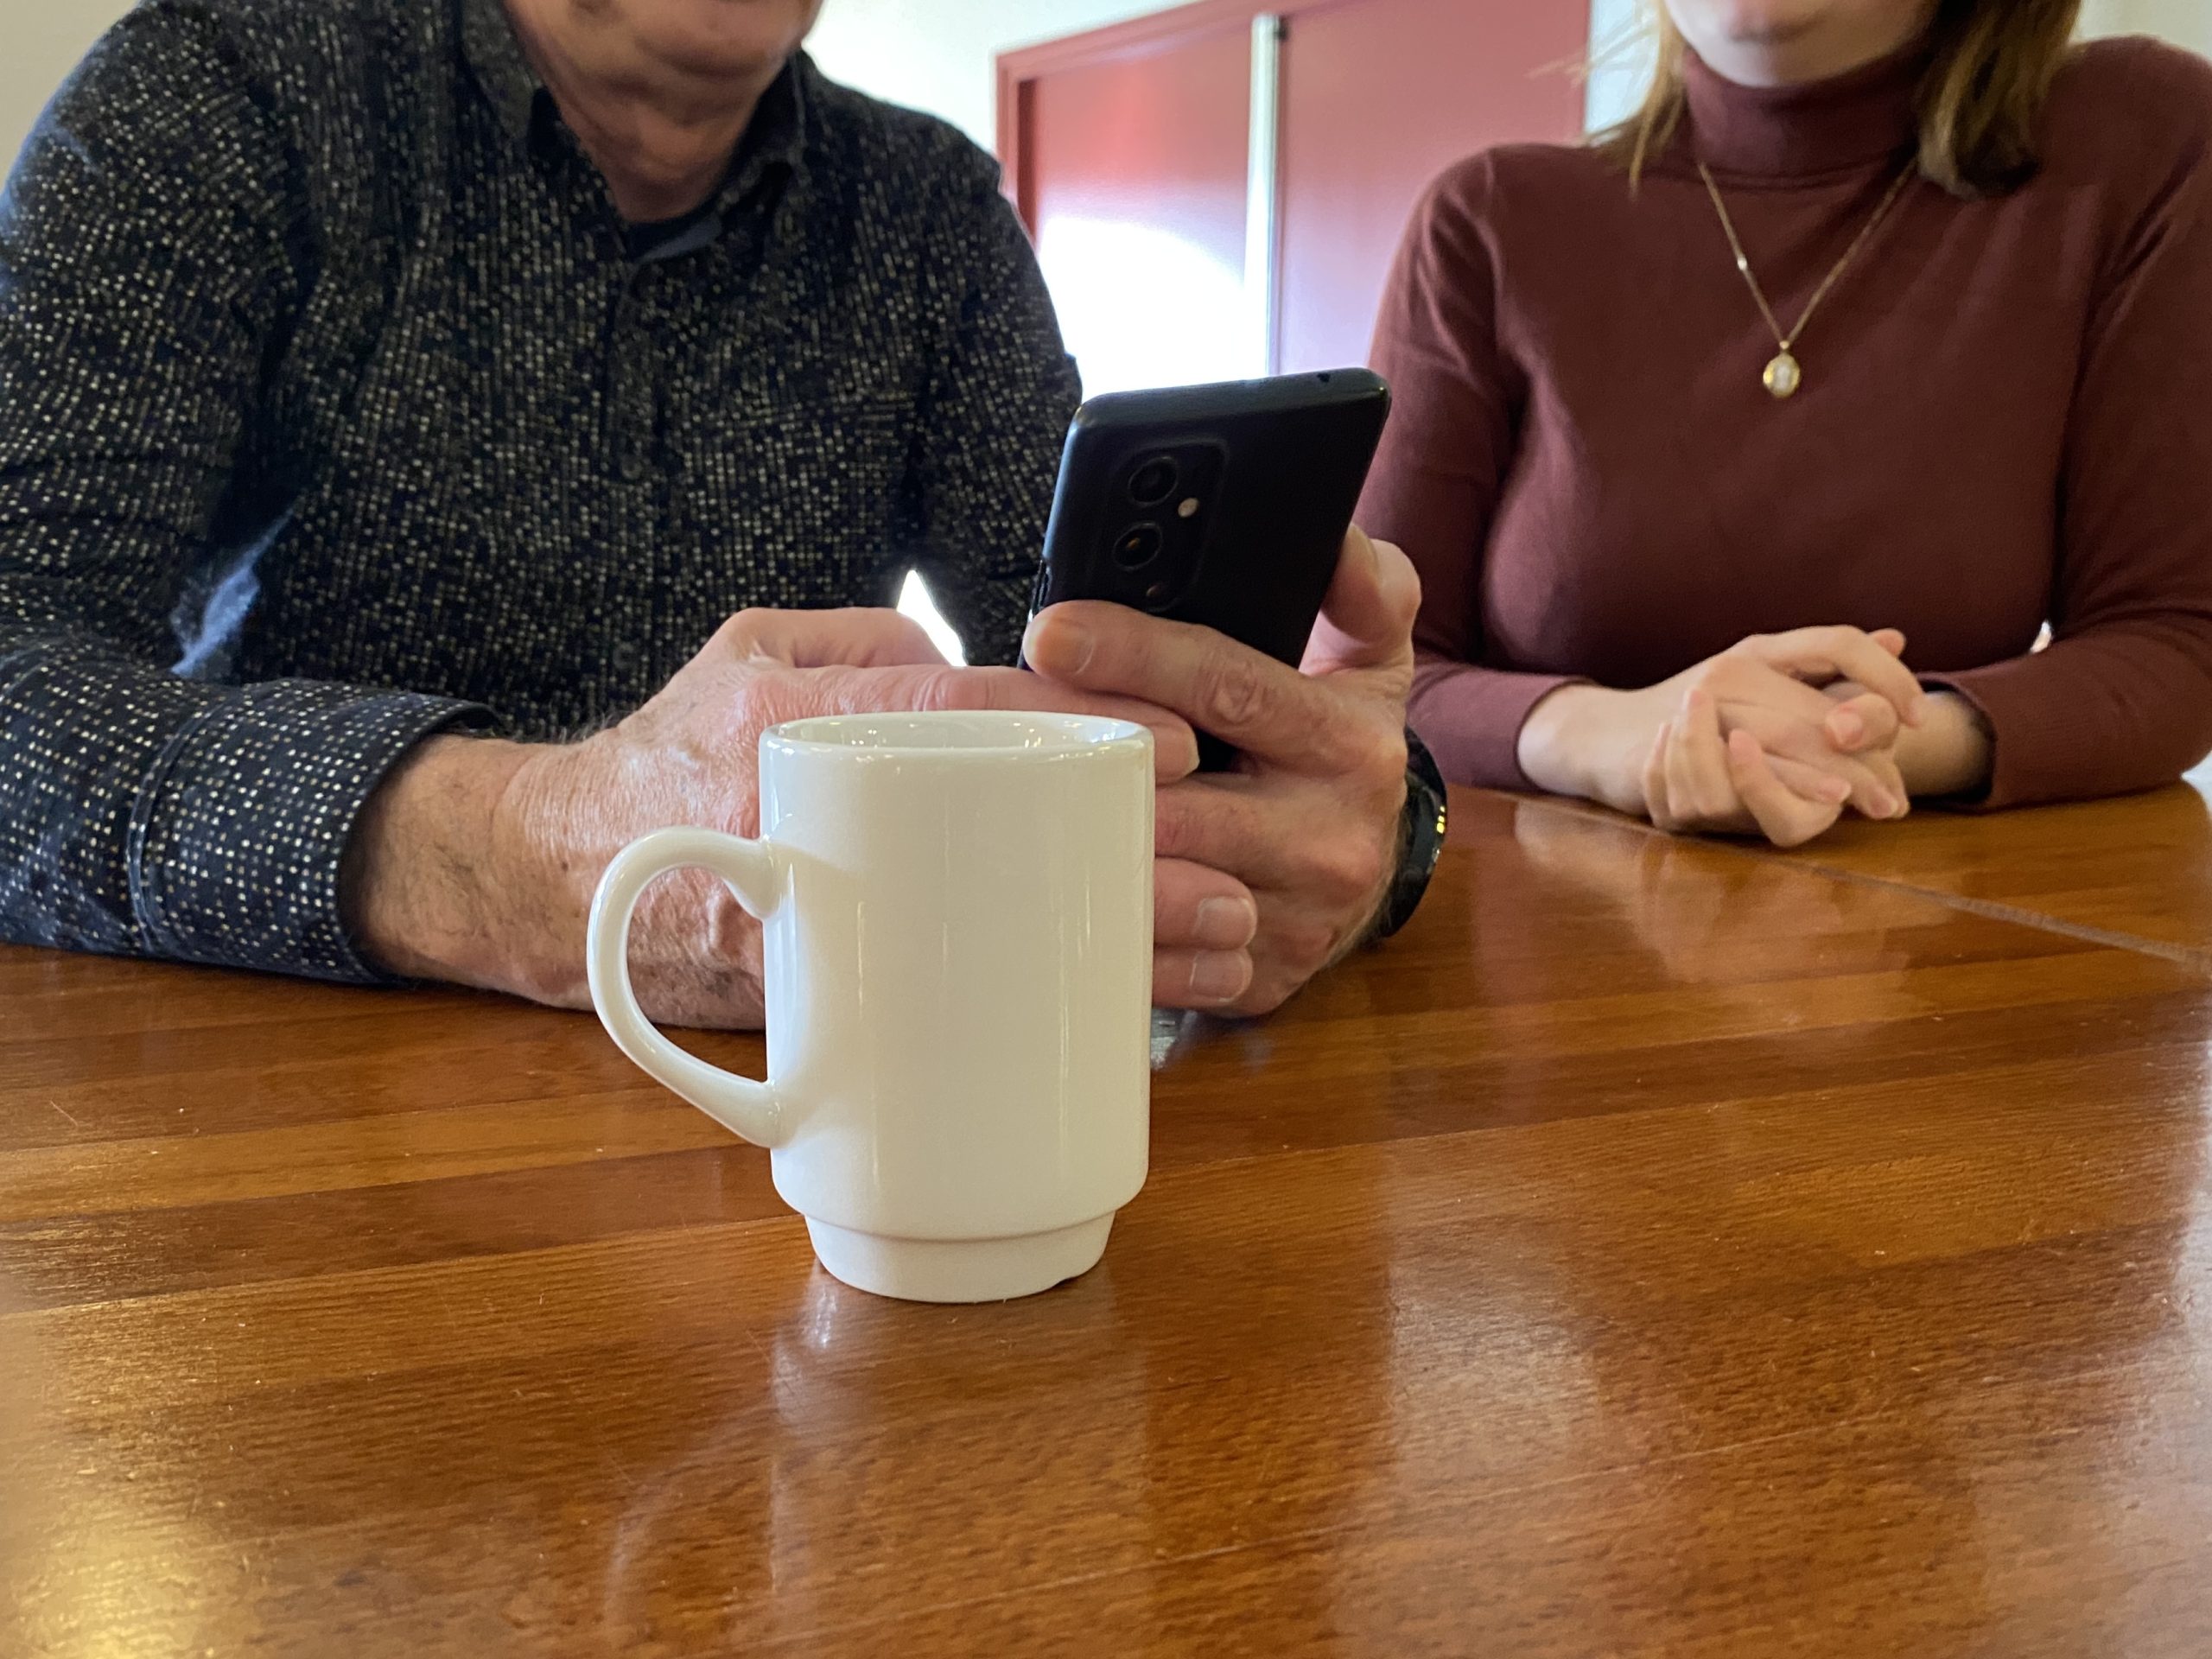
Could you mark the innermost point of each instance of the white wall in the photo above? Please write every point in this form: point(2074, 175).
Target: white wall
point(2185, 22)
point(40, 42)
point(1620, 62)
point(937, 54)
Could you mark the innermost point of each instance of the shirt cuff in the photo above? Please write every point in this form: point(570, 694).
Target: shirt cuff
point(1470, 719)
point(238, 832)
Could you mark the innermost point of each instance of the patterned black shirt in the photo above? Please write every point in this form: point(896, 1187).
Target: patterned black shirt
point(338, 406)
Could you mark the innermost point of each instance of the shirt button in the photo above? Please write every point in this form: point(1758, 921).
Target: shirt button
point(633, 461)
point(625, 655)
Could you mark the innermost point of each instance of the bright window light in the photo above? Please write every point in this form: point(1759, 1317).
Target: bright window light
point(915, 601)
point(1140, 306)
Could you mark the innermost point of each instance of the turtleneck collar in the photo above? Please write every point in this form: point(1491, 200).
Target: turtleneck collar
point(1818, 128)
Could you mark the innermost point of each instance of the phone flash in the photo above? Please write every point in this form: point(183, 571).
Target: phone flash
point(1187, 508)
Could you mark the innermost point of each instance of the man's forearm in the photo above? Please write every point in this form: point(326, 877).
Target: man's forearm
point(444, 882)
point(475, 864)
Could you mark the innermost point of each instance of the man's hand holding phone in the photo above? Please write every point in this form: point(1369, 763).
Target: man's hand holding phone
point(1295, 847)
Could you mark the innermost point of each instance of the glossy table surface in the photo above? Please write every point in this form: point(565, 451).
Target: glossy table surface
point(2139, 869)
point(1660, 1248)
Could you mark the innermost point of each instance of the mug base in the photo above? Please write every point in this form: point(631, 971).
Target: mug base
point(960, 1269)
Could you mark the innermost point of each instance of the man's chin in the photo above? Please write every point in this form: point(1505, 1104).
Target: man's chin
point(725, 37)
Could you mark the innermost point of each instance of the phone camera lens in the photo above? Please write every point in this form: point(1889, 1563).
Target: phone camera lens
point(1155, 482)
point(1138, 547)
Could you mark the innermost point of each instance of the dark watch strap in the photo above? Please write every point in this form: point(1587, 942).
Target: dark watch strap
point(1420, 838)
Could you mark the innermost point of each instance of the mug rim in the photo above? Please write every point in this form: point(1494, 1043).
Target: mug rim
point(1063, 734)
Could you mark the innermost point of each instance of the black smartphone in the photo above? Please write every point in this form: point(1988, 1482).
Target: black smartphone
point(1221, 504)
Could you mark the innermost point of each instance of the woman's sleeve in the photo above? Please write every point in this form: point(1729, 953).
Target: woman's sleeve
point(1442, 466)
point(2121, 699)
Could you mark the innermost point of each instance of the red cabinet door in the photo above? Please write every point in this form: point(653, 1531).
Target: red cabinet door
point(1130, 149)
point(1134, 169)
point(1377, 97)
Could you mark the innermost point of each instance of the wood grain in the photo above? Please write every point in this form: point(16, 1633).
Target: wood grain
point(1660, 1248)
point(2137, 871)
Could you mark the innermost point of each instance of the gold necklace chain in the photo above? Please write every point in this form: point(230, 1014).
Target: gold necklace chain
point(1785, 374)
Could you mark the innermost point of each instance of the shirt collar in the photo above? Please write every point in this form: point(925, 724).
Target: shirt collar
point(775, 139)
point(494, 57)
point(1865, 116)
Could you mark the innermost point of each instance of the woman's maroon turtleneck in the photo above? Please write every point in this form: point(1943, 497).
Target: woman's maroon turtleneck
point(2006, 417)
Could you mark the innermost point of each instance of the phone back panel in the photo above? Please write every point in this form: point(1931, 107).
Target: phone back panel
point(1275, 469)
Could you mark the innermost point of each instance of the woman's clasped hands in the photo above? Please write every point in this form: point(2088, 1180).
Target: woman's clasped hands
point(1778, 736)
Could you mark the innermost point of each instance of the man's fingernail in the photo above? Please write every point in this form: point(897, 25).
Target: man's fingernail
point(1220, 976)
point(1227, 924)
point(1175, 751)
point(1834, 790)
point(1883, 803)
point(1849, 728)
point(1067, 645)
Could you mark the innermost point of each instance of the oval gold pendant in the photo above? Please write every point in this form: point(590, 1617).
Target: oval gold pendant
point(1783, 376)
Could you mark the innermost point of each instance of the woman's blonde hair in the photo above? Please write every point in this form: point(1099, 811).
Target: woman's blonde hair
point(1989, 67)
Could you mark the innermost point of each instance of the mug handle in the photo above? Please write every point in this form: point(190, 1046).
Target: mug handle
point(749, 869)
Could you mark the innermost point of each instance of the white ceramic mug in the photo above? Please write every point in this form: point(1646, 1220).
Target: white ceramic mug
point(957, 914)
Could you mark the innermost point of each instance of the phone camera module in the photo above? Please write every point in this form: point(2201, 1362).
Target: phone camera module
point(1155, 482)
point(1138, 545)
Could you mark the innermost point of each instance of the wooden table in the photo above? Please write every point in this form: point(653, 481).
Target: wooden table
point(1661, 1249)
point(2137, 872)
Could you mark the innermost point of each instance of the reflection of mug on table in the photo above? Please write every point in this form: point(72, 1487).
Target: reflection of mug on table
point(957, 919)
